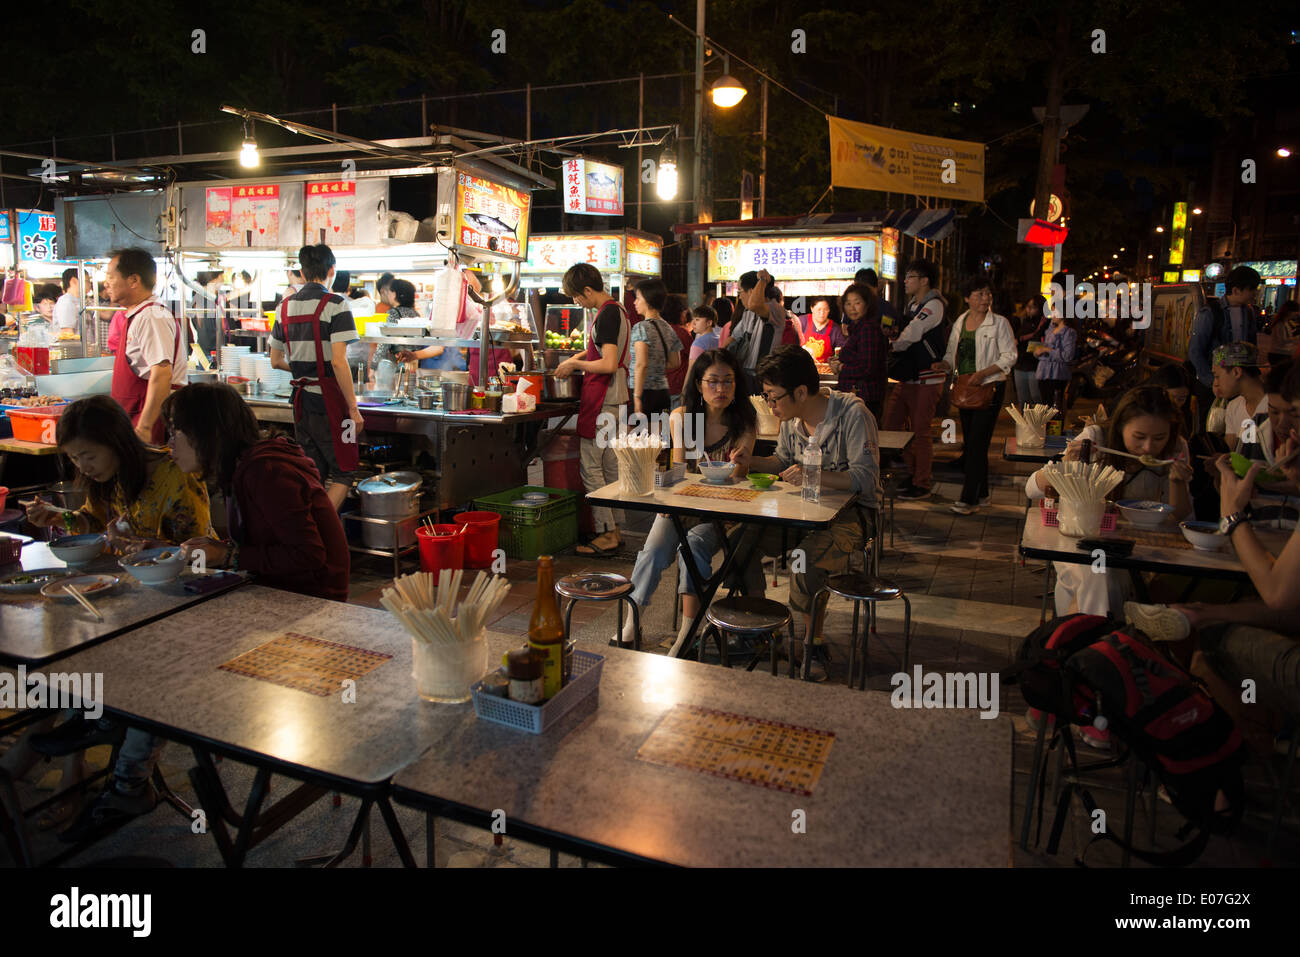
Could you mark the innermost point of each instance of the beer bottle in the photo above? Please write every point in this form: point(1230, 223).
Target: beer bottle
point(546, 629)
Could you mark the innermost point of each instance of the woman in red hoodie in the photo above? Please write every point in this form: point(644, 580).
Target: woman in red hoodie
point(281, 524)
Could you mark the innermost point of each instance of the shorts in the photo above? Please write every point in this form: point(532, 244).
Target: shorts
point(316, 436)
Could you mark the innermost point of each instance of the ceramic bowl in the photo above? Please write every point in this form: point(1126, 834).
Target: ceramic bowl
point(761, 479)
point(161, 571)
point(1146, 514)
point(717, 473)
point(78, 550)
point(1204, 536)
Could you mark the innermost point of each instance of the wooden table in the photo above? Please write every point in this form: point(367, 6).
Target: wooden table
point(1053, 448)
point(1150, 553)
point(165, 678)
point(900, 788)
point(782, 504)
point(35, 630)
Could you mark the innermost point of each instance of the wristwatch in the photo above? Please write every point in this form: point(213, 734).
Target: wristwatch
point(1229, 522)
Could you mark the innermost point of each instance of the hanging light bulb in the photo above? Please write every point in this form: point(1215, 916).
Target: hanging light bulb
point(249, 157)
point(666, 177)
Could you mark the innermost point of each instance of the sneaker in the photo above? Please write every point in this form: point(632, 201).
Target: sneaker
point(912, 492)
point(1157, 622)
point(1100, 740)
point(114, 807)
point(1035, 718)
point(962, 508)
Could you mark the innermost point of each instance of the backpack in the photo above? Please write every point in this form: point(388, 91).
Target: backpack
point(1083, 671)
point(908, 365)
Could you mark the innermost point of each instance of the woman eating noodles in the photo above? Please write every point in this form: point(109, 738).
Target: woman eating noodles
point(138, 495)
point(282, 526)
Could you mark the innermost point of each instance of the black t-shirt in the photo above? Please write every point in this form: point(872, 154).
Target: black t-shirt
point(608, 323)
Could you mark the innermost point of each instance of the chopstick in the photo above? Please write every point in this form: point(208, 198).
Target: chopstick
point(83, 600)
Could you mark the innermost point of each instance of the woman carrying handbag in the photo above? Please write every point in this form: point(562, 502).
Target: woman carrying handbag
point(981, 351)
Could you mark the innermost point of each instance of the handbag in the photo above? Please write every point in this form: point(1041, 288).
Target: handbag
point(966, 394)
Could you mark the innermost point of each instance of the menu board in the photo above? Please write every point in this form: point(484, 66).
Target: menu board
point(592, 188)
point(644, 256)
point(242, 216)
point(331, 215)
point(491, 217)
point(38, 237)
point(552, 255)
point(820, 257)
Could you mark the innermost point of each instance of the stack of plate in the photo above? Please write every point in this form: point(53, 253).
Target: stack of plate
point(256, 366)
point(230, 356)
point(275, 380)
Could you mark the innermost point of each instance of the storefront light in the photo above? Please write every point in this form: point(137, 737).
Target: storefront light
point(1283, 151)
point(248, 155)
point(666, 179)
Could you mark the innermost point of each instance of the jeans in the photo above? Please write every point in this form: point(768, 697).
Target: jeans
point(1270, 659)
point(137, 758)
point(977, 427)
point(911, 406)
point(657, 554)
point(826, 552)
point(1027, 387)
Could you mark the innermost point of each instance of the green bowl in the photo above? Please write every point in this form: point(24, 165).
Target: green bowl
point(761, 479)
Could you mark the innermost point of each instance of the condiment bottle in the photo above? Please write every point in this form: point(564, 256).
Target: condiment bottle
point(524, 669)
point(546, 629)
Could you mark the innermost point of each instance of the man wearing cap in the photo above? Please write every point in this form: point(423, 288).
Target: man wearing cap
point(1229, 318)
point(1237, 378)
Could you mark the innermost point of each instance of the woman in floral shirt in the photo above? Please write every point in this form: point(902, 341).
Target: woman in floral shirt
point(861, 361)
point(136, 489)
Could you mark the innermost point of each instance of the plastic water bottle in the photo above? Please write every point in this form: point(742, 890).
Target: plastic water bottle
point(812, 473)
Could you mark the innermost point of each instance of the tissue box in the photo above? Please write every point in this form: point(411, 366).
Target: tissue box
point(674, 475)
point(33, 359)
point(518, 402)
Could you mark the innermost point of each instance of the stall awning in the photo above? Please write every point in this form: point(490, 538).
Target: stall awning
point(928, 224)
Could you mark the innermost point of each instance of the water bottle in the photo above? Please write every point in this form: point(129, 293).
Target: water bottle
point(812, 473)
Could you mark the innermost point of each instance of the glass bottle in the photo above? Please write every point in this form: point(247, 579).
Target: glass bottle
point(546, 629)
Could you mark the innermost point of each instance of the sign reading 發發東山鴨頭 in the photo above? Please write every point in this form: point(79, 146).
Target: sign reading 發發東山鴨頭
point(895, 161)
point(787, 259)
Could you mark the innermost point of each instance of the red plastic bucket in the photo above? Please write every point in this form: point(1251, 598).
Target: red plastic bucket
point(480, 537)
point(441, 551)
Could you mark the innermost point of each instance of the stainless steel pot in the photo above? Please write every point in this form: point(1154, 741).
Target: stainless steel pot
point(425, 400)
point(455, 397)
point(395, 495)
point(566, 388)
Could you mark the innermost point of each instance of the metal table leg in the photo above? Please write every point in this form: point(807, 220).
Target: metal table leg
point(706, 588)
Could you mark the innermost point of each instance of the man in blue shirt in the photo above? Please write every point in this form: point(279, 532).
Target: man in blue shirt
point(1230, 318)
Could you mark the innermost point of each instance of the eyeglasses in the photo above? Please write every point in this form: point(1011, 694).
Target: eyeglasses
point(720, 383)
point(774, 399)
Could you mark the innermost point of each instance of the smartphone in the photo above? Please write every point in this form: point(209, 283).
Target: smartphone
point(207, 584)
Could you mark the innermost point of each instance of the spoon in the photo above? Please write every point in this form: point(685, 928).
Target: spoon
point(1147, 460)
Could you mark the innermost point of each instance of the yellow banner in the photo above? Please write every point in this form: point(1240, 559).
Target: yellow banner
point(895, 161)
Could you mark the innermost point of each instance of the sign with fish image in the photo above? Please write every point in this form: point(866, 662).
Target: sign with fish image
point(592, 188)
point(491, 217)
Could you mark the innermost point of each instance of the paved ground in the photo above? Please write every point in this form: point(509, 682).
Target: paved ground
point(972, 601)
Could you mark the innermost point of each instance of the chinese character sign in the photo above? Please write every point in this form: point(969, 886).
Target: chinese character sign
point(1178, 234)
point(243, 216)
point(644, 256)
point(553, 255)
point(895, 161)
point(592, 188)
point(331, 214)
point(807, 258)
point(491, 217)
point(38, 237)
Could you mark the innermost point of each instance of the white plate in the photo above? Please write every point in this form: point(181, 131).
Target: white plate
point(101, 585)
point(8, 587)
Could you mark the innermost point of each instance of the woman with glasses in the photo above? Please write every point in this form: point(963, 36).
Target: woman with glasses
point(717, 416)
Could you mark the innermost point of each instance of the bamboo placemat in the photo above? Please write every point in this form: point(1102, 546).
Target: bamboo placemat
point(304, 663)
point(722, 492)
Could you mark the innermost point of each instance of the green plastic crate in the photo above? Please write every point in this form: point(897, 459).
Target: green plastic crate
point(526, 532)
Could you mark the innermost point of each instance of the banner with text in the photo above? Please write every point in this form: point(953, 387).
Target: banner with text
point(895, 161)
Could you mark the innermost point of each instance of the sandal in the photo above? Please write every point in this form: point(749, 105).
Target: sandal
point(590, 548)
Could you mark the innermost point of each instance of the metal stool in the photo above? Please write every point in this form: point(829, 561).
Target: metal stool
point(600, 586)
point(747, 616)
point(869, 589)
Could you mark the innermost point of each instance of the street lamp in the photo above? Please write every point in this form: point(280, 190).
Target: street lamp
point(1283, 151)
point(727, 91)
point(1160, 229)
point(1196, 210)
point(666, 177)
point(248, 154)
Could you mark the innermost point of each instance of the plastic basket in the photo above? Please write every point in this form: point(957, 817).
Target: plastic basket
point(29, 423)
point(583, 682)
point(1048, 515)
point(527, 532)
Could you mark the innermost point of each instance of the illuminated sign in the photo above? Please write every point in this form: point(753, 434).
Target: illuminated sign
point(1214, 270)
point(331, 215)
point(491, 217)
point(889, 253)
point(1281, 268)
point(1178, 236)
point(246, 216)
point(820, 257)
point(553, 255)
point(644, 256)
point(592, 188)
point(1171, 276)
point(1054, 208)
point(1038, 232)
point(38, 237)
point(1191, 275)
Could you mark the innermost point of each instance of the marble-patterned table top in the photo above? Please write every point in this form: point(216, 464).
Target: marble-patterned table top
point(900, 788)
point(35, 630)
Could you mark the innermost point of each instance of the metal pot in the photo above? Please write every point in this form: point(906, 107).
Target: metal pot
point(566, 388)
point(394, 495)
point(455, 397)
point(425, 400)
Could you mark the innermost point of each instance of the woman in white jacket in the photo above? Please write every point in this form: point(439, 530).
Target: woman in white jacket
point(982, 343)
